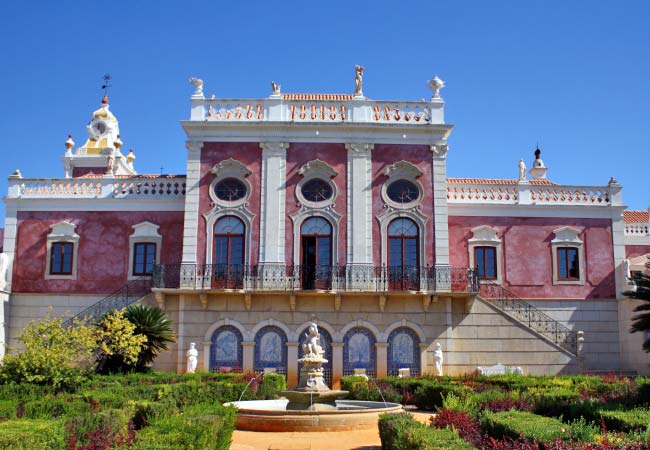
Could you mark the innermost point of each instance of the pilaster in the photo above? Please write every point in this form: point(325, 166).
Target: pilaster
point(382, 359)
point(207, 346)
point(359, 206)
point(337, 364)
point(191, 220)
point(440, 211)
point(180, 336)
point(248, 356)
point(273, 194)
point(292, 364)
point(424, 358)
point(618, 236)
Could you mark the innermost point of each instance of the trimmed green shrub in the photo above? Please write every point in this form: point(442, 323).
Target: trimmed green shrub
point(8, 409)
point(637, 419)
point(534, 427)
point(82, 430)
point(402, 432)
point(53, 407)
point(32, 434)
point(552, 401)
point(271, 384)
point(429, 395)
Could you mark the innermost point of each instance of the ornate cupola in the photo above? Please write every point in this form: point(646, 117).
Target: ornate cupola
point(538, 171)
point(100, 154)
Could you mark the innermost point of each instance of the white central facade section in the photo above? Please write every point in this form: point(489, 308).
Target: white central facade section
point(191, 221)
point(273, 195)
point(359, 181)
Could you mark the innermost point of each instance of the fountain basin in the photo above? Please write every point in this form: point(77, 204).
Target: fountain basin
point(272, 415)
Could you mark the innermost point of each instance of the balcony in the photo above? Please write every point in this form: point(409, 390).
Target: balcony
point(282, 278)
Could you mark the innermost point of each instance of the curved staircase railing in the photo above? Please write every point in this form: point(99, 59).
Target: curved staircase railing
point(530, 316)
point(130, 293)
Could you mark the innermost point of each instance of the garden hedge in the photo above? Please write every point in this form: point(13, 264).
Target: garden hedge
point(402, 432)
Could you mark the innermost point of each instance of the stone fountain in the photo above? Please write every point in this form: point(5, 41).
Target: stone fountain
point(312, 394)
point(312, 405)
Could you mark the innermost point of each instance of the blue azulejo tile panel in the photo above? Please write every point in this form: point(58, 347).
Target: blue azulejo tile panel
point(359, 351)
point(271, 349)
point(226, 349)
point(403, 351)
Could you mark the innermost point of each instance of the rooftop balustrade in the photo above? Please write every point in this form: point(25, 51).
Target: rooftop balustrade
point(277, 277)
point(97, 188)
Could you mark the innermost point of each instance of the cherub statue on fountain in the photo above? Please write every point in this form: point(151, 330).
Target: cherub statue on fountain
point(312, 348)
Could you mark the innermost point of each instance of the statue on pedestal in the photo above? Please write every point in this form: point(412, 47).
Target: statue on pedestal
point(522, 170)
point(312, 348)
point(358, 80)
point(438, 358)
point(192, 358)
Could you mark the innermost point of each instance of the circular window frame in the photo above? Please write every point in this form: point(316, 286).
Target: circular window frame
point(226, 179)
point(316, 205)
point(396, 205)
point(226, 203)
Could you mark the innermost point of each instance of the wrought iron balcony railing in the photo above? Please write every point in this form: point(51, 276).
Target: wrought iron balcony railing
point(280, 277)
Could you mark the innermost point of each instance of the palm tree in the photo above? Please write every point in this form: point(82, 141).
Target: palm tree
point(641, 322)
point(154, 324)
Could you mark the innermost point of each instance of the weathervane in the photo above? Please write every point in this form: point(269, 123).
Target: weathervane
point(106, 85)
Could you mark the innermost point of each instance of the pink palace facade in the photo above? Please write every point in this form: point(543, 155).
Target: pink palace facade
point(336, 208)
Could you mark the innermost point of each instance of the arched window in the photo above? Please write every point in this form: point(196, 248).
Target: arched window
point(403, 255)
point(228, 256)
point(316, 253)
point(359, 351)
point(403, 351)
point(326, 343)
point(271, 349)
point(226, 350)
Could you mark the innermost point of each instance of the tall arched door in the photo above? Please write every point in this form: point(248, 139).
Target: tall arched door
point(316, 254)
point(228, 256)
point(403, 255)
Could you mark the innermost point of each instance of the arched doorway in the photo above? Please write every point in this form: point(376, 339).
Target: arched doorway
point(403, 351)
point(403, 255)
point(228, 257)
point(226, 350)
point(316, 254)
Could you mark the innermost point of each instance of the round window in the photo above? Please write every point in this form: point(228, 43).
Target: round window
point(317, 190)
point(230, 190)
point(403, 191)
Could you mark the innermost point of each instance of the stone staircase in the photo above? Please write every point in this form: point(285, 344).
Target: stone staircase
point(130, 293)
point(531, 317)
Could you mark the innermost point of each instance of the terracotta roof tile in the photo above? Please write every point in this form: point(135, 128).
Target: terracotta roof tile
point(636, 216)
point(316, 97)
point(498, 181)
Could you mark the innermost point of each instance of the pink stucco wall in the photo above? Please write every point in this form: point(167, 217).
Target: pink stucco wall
point(632, 251)
point(527, 258)
point(420, 156)
point(249, 154)
point(103, 254)
point(81, 171)
point(336, 156)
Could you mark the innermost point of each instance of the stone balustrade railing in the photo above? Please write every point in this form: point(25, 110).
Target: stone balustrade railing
point(122, 188)
point(302, 109)
point(637, 229)
point(513, 193)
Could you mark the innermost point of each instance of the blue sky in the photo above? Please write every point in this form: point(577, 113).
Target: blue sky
point(572, 76)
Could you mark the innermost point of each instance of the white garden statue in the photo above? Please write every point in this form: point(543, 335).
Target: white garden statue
point(312, 348)
point(438, 358)
point(192, 358)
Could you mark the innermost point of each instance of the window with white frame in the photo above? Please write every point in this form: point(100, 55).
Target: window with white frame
point(145, 245)
point(62, 248)
point(568, 257)
point(485, 254)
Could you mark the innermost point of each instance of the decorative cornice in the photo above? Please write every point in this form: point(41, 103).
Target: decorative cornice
point(232, 167)
point(440, 150)
point(194, 146)
point(402, 168)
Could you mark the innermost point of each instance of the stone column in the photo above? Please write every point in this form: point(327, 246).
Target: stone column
point(618, 236)
point(359, 210)
point(440, 217)
point(292, 365)
point(248, 363)
point(337, 364)
point(381, 350)
point(272, 210)
point(180, 336)
point(191, 220)
point(207, 346)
